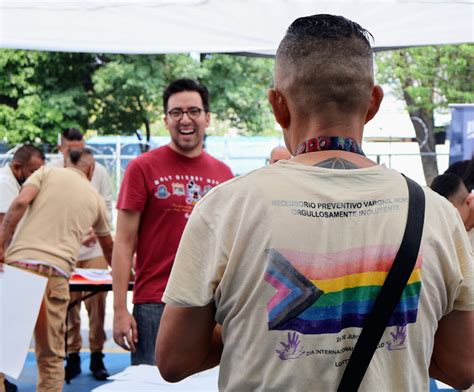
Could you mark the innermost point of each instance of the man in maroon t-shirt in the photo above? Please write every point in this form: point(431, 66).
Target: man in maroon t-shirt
point(156, 198)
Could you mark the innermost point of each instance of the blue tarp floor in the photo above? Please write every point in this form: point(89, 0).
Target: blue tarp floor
point(115, 362)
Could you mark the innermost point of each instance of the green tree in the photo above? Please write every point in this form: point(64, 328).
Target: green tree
point(428, 78)
point(19, 98)
point(42, 93)
point(128, 89)
point(238, 87)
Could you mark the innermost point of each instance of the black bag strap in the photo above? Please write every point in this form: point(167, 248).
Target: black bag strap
point(390, 292)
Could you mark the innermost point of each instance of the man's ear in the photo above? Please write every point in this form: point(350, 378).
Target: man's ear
point(470, 200)
point(375, 101)
point(280, 108)
point(91, 172)
point(470, 219)
point(16, 167)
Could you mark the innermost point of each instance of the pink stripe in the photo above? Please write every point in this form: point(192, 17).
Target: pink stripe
point(282, 291)
point(316, 266)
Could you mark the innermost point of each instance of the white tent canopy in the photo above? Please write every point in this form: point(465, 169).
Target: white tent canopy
point(209, 26)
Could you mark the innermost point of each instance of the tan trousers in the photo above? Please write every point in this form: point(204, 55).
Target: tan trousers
point(49, 335)
point(95, 306)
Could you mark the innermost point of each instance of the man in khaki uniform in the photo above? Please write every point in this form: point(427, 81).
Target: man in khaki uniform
point(89, 256)
point(52, 252)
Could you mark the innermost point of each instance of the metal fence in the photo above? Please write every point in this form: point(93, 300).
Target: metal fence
point(115, 157)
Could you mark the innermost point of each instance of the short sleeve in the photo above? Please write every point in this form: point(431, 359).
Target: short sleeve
point(7, 195)
point(464, 299)
point(101, 227)
point(198, 266)
point(133, 194)
point(228, 173)
point(36, 179)
point(104, 186)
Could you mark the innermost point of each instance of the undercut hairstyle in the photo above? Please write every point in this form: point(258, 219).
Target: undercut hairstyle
point(465, 170)
point(451, 187)
point(72, 134)
point(325, 62)
point(181, 85)
point(24, 154)
point(76, 155)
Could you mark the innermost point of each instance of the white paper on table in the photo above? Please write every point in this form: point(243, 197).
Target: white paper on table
point(127, 386)
point(442, 385)
point(140, 373)
point(147, 378)
point(93, 274)
point(21, 293)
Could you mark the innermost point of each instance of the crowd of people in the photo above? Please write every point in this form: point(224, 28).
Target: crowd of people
point(271, 275)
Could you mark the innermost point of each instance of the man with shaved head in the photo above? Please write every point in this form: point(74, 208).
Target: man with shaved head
point(90, 256)
point(277, 271)
point(279, 153)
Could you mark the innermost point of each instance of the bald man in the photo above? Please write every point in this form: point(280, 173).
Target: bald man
point(90, 256)
point(279, 153)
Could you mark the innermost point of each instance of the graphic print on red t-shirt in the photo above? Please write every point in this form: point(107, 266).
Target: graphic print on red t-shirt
point(164, 186)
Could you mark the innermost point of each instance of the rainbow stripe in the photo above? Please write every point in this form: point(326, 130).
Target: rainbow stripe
point(348, 283)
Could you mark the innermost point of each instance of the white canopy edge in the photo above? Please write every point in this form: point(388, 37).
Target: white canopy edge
point(217, 26)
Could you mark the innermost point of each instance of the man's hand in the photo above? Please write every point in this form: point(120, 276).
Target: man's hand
point(125, 330)
point(90, 239)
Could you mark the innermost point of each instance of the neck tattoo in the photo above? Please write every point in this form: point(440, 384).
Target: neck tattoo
point(322, 143)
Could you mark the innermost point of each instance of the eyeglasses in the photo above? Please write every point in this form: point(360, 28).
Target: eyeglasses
point(177, 113)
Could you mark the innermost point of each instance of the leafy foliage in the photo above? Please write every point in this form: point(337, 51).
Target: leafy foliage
point(433, 76)
point(241, 84)
point(42, 93)
point(428, 79)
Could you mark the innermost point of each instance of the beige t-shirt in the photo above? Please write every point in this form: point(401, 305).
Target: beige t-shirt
point(294, 256)
point(66, 206)
point(101, 182)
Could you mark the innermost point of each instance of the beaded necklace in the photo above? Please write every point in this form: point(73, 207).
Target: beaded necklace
point(321, 143)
